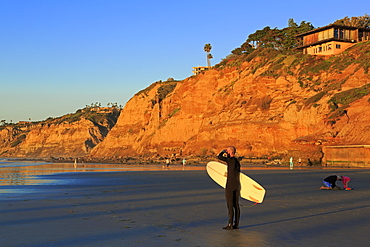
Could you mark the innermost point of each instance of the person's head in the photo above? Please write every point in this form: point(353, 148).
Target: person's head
point(231, 150)
point(339, 177)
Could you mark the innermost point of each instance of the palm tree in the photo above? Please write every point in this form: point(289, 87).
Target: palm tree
point(207, 49)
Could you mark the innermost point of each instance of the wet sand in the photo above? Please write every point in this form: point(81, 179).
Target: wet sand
point(185, 208)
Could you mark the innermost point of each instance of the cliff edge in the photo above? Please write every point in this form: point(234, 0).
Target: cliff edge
point(264, 103)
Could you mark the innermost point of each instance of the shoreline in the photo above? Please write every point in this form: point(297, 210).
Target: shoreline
point(17, 173)
point(193, 161)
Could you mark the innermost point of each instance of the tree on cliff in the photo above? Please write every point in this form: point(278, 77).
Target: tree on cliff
point(289, 33)
point(207, 49)
point(279, 39)
point(284, 39)
point(244, 48)
point(360, 21)
point(265, 37)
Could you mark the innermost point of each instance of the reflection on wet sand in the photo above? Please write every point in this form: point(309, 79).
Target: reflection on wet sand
point(25, 173)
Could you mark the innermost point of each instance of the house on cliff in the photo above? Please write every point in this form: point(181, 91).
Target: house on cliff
point(332, 39)
point(200, 69)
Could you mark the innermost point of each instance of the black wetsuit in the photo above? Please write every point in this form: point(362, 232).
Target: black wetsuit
point(232, 190)
point(332, 180)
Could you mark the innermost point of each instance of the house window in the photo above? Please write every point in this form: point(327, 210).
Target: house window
point(338, 46)
point(366, 35)
point(341, 33)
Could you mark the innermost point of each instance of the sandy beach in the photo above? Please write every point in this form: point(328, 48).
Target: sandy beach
point(184, 208)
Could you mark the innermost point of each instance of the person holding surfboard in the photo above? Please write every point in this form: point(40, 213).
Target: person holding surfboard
point(232, 189)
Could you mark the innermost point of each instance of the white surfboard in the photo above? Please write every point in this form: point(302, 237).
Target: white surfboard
point(250, 189)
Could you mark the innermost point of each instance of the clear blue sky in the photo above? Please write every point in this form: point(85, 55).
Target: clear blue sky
point(59, 56)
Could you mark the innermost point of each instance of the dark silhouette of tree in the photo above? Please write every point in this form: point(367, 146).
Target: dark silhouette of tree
point(360, 21)
point(289, 33)
point(266, 37)
point(279, 39)
point(291, 23)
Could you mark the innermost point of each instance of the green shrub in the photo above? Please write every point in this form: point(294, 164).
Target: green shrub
point(165, 89)
point(315, 98)
point(174, 112)
point(19, 140)
point(351, 95)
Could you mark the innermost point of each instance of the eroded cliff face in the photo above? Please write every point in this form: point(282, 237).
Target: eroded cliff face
point(71, 139)
point(73, 135)
point(263, 106)
point(264, 103)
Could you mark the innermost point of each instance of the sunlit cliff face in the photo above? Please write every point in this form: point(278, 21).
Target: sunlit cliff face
point(271, 105)
point(264, 109)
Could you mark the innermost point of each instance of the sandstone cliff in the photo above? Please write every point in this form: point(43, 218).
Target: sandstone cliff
point(265, 103)
point(73, 135)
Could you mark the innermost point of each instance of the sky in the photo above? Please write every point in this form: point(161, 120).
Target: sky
point(58, 56)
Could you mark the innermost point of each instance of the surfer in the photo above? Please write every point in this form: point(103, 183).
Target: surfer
point(232, 190)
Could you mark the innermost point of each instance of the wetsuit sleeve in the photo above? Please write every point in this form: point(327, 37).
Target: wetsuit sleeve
point(222, 157)
point(332, 180)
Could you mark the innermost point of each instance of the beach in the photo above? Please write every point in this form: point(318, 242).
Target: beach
point(175, 207)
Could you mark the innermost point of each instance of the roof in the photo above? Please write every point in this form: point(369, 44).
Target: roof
point(332, 26)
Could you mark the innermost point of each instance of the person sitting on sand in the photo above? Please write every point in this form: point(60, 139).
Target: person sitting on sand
point(329, 182)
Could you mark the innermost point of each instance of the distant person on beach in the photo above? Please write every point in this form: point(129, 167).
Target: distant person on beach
point(345, 181)
point(232, 190)
point(168, 162)
point(330, 183)
point(291, 163)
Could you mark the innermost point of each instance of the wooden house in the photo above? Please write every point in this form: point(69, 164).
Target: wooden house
point(200, 69)
point(331, 39)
